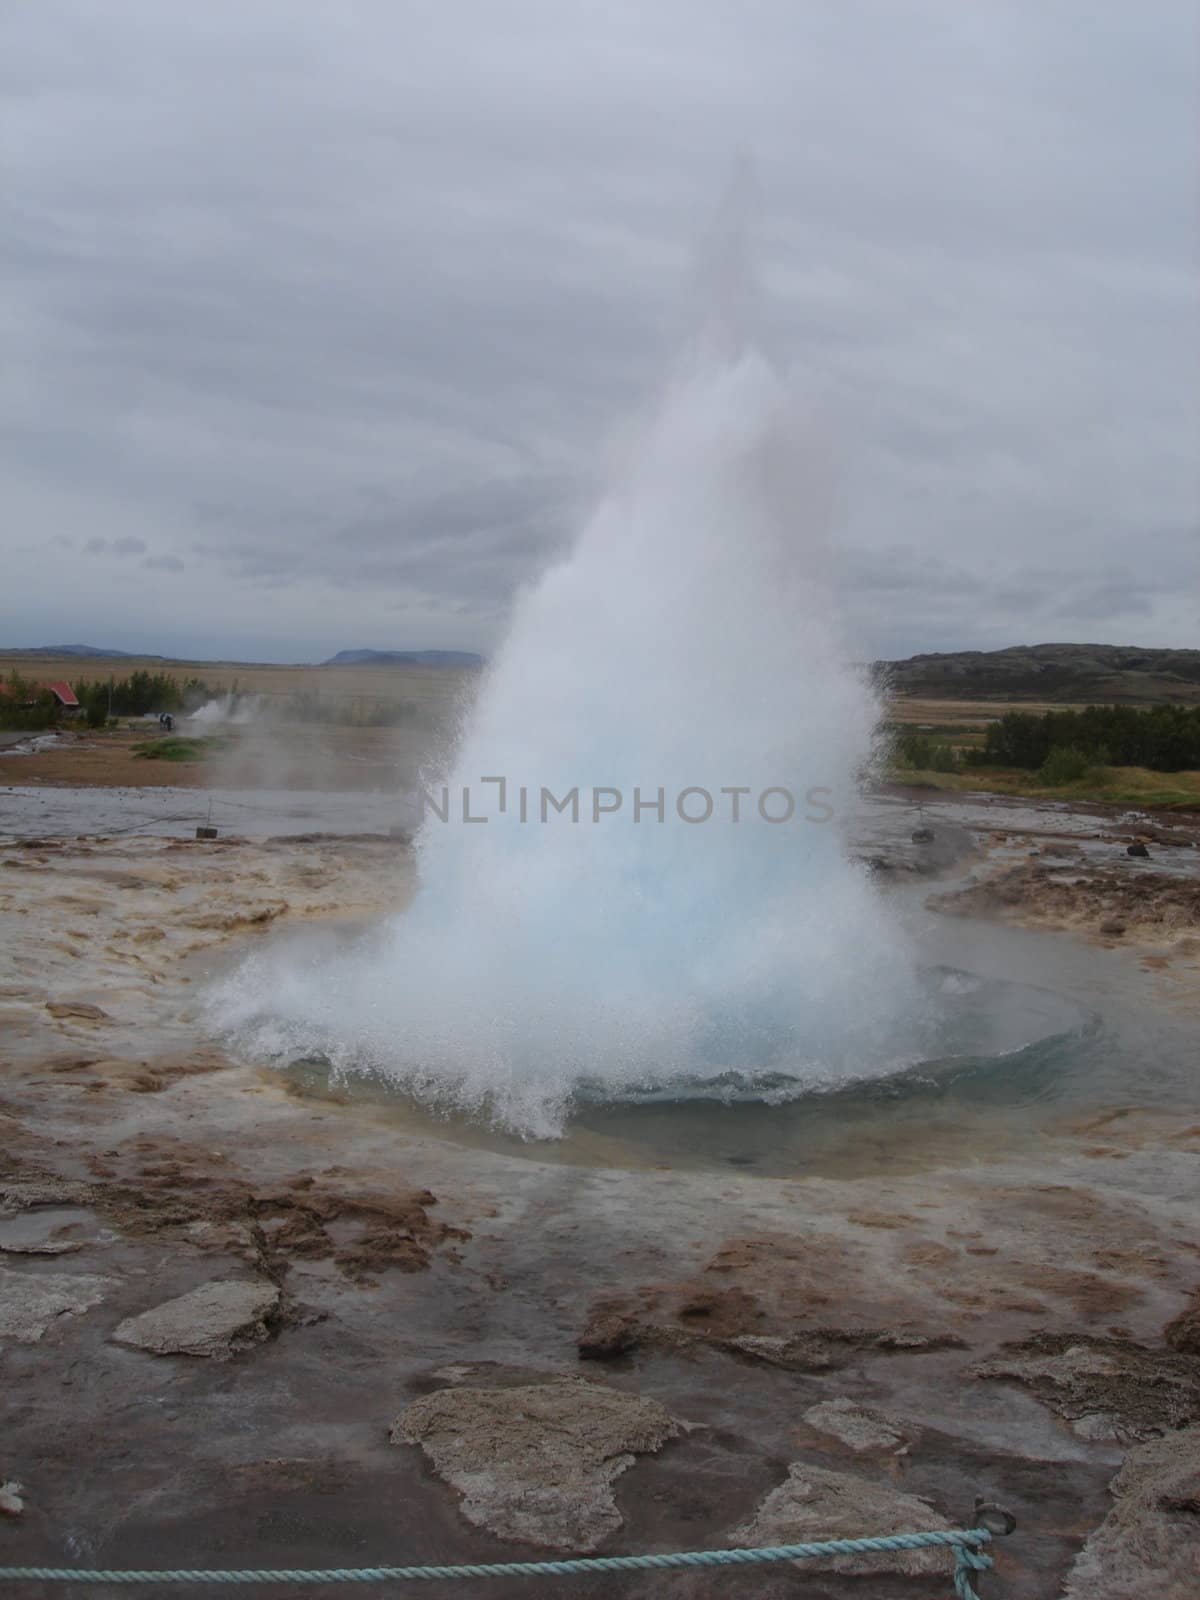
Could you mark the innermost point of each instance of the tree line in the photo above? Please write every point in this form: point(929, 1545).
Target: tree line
point(27, 705)
point(136, 695)
point(1163, 738)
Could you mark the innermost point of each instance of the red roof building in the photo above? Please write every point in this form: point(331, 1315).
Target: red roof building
point(62, 692)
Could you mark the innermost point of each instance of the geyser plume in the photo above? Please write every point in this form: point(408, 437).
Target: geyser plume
point(684, 645)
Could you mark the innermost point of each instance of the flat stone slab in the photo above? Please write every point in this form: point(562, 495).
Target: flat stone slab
point(1182, 1333)
point(1148, 1547)
point(217, 1320)
point(815, 1504)
point(857, 1426)
point(537, 1462)
point(24, 1194)
point(30, 1302)
point(77, 1010)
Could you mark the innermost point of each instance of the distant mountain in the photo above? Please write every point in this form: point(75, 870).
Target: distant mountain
point(64, 650)
point(1093, 673)
point(404, 658)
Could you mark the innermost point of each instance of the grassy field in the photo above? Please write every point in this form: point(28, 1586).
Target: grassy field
point(1136, 787)
point(956, 717)
point(435, 690)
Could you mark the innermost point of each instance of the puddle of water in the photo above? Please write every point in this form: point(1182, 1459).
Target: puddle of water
point(49, 1231)
point(62, 811)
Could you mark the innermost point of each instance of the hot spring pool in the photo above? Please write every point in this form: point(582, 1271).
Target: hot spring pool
point(1031, 1029)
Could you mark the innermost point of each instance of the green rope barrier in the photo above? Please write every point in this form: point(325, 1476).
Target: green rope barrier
point(963, 1542)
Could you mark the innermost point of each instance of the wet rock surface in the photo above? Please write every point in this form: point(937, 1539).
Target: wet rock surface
point(217, 1320)
point(815, 1504)
point(1088, 898)
point(55, 1231)
point(170, 1188)
point(1182, 1333)
point(31, 1303)
point(537, 1462)
point(77, 1010)
point(1148, 1547)
point(768, 1298)
point(26, 1193)
point(1106, 1388)
point(859, 1426)
point(610, 1331)
point(804, 1318)
point(97, 1072)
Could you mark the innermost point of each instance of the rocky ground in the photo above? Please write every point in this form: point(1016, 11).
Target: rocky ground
point(240, 1323)
point(1126, 882)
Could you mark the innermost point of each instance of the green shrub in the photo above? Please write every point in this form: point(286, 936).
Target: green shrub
point(922, 754)
point(1065, 764)
point(172, 748)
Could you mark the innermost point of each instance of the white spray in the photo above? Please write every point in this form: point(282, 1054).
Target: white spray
point(686, 645)
point(227, 711)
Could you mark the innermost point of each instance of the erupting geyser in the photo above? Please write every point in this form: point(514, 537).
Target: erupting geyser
point(621, 946)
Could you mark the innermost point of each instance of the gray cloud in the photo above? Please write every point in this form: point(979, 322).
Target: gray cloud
point(127, 545)
point(347, 311)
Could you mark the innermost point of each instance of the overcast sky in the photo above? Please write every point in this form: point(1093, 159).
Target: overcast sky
point(318, 317)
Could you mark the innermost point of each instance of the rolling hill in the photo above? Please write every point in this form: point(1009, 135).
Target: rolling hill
point(82, 651)
point(1099, 673)
point(404, 658)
